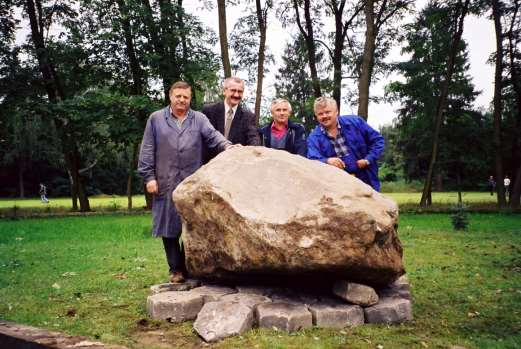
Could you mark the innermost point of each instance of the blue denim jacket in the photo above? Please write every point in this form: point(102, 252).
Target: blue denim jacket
point(362, 141)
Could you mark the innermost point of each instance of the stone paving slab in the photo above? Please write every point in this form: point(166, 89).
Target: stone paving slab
point(15, 336)
point(283, 316)
point(336, 315)
point(389, 311)
point(218, 320)
point(167, 287)
point(248, 299)
point(174, 306)
point(355, 293)
point(212, 293)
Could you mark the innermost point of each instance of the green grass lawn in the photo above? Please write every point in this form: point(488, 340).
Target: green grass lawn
point(407, 201)
point(90, 276)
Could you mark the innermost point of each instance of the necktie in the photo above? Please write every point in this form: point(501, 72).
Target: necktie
point(228, 122)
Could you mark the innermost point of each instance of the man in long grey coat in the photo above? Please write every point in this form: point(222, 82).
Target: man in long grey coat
point(171, 150)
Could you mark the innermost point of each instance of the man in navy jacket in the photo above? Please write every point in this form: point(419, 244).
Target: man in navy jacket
point(346, 142)
point(283, 133)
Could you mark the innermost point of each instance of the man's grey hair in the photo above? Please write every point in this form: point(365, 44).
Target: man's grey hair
point(278, 101)
point(235, 79)
point(323, 102)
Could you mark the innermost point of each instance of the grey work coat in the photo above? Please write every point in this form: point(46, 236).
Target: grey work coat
point(169, 155)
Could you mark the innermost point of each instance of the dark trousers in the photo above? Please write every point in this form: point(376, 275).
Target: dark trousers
point(175, 256)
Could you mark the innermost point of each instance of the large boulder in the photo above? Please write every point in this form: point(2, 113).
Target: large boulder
point(254, 211)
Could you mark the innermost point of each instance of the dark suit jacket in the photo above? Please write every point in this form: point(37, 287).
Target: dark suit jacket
point(242, 130)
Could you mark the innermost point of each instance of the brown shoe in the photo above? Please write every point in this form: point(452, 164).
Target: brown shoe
point(177, 277)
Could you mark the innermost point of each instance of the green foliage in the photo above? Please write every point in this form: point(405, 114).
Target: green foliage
point(428, 43)
point(460, 217)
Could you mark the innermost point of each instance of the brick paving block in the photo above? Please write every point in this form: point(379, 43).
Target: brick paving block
point(218, 320)
point(389, 311)
point(283, 316)
point(175, 306)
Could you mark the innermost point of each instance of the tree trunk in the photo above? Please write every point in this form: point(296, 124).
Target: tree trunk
point(309, 39)
point(21, 187)
point(496, 13)
point(367, 60)
point(443, 97)
point(132, 166)
point(135, 69)
point(55, 92)
point(223, 38)
point(158, 45)
point(148, 198)
point(515, 194)
point(337, 52)
point(262, 19)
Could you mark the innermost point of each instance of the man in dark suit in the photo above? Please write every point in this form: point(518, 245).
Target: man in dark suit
point(228, 117)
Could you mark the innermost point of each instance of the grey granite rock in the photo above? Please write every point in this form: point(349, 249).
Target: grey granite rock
point(355, 293)
point(221, 319)
point(212, 293)
point(283, 316)
point(187, 285)
point(389, 311)
point(336, 314)
point(175, 306)
point(248, 299)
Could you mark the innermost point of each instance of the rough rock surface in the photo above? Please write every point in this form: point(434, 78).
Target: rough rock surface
point(218, 320)
point(389, 311)
point(212, 293)
point(355, 293)
point(336, 314)
point(326, 223)
point(247, 299)
point(166, 287)
point(284, 316)
point(16, 336)
point(175, 306)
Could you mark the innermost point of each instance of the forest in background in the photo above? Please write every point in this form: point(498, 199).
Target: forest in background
point(76, 92)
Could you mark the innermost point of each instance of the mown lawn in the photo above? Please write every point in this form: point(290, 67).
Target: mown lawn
point(90, 276)
point(407, 201)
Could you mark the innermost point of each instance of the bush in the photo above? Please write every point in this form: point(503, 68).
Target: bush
point(402, 187)
point(460, 217)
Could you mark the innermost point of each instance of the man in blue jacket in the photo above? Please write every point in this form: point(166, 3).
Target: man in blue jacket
point(346, 142)
point(283, 133)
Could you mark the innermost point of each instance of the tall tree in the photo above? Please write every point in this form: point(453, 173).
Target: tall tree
point(339, 11)
point(498, 80)
point(262, 23)
point(223, 38)
point(40, 20)
point(377, 15)
point(428, 43)
point(514, 62)
point(458, 15)
point(307, 30)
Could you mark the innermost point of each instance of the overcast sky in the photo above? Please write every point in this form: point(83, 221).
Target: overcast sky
point(478, 33)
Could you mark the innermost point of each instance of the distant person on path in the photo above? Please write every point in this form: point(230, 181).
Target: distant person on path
point(346, 142)
point(491, 185)
point(506, 183)
point(230, 118)
point(171, 150)
point(43, 193)
point(282, 133)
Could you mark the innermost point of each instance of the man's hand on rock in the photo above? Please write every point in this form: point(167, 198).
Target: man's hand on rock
point(362, 163)
point(152, 187)
point(337, 162)
point(230, 146)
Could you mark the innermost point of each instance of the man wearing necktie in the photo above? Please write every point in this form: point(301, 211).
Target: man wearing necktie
point(228, 117)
